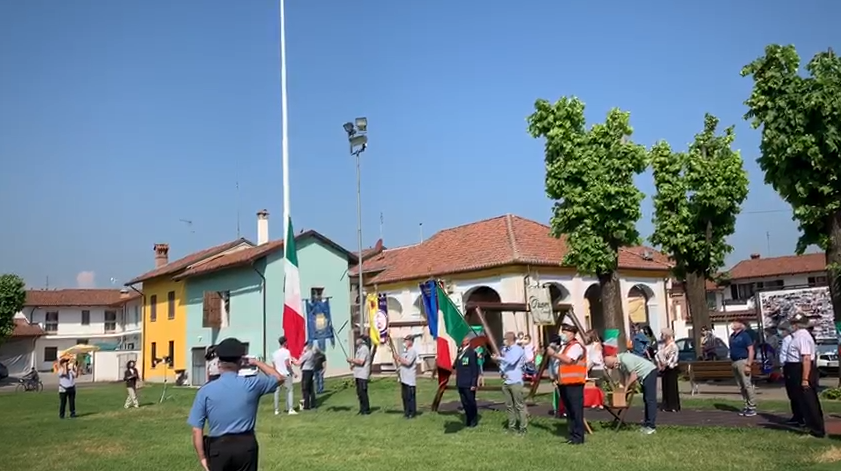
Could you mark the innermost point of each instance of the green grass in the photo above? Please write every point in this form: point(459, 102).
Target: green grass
point(155, 437)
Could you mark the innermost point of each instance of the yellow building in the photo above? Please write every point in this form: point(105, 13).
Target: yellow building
point(165, 313)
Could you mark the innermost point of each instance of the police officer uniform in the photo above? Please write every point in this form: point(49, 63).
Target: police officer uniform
point(228, 406)
point(806, 391)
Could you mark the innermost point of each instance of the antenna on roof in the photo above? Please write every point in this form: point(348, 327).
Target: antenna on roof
point(381, 225)
point(48, 282)
point(420, 225)
point(237, 197)
point(768, 241)
point(189, 224)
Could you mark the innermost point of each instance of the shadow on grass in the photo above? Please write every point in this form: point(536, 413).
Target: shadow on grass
point(555, 427)
point(453, 427)
point(726, 407)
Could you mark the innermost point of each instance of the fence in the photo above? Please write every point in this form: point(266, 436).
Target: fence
point(109, 365)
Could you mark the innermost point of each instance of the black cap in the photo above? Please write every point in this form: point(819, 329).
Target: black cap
point(281, 340)
point(569, 328)
point(230, 349)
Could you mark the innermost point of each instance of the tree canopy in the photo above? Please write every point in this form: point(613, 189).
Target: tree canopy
point(590, 176)
point(800, 119)
point(12, 298)
point(699, 194)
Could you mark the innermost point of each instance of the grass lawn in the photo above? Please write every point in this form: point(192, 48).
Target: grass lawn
point(156, 437)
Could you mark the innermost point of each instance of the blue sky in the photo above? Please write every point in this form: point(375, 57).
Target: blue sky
point(119, 119)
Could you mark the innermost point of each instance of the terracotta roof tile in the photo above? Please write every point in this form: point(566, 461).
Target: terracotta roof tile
point(778, 266)
point(24, 329)
point(75, 297)
point(182, 263)
point(499, 241)
point(249, 255)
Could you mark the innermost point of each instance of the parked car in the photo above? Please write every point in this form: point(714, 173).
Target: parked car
point(4, 372)
point(686, 350)
point(827, 357)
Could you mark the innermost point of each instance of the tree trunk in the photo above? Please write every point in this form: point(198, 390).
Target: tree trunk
point(696, 300)
point(614, 315)
point(833, 262)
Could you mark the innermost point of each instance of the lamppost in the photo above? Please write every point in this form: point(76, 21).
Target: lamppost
point(357, 135)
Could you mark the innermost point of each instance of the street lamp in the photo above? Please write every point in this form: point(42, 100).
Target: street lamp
point(358, 139)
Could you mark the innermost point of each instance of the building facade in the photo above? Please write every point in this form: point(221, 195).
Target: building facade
point(164, 318)
point(241, 296)
point(18, 352)
point(107, 318)
point(492, 261)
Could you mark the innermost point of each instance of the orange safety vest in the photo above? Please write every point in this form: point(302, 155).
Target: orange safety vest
point(575, 373)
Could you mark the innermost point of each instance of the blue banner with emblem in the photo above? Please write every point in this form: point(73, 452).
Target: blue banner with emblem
point(320, 323)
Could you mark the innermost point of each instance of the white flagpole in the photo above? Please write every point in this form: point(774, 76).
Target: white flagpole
point(284, 116)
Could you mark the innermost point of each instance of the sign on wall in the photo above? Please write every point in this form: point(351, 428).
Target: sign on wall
point(778, 306)
point(540, 305)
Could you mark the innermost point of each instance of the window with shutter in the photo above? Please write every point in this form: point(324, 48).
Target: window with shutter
point(212, 310)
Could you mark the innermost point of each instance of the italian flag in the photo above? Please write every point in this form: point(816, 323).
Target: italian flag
point(449, 338)
point(294, 326)
point(611, 342)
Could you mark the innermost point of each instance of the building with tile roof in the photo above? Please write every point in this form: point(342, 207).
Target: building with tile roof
point(17, 353)
point(108, 318)
point(491, 261)
point(236, 290)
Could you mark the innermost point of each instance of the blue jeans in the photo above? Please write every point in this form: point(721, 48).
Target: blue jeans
point(649, 398)
point(319, 381)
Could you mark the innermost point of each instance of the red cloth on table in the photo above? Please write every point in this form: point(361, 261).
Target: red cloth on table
point(593, 397)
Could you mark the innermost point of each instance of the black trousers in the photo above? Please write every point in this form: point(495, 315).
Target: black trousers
point(69, 395)
point(572, 397)
point(807, 399)
point(468, 403)
point(236, 452)
point(410, 405)
point(362, 395)
point(792, 375)
point(308, 388)
point(671, 394)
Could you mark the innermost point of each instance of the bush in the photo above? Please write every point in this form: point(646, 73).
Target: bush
point(833, 394)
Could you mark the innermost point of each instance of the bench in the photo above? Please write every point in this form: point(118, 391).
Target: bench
point(698, 371)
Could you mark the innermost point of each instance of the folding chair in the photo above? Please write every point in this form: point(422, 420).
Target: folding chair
point(619, 413)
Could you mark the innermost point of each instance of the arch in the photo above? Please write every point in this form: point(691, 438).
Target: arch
point(640, 301)
point(558, 292)
point(418, 311)
point(494, 319)
point(594, 314)
point(395, 309)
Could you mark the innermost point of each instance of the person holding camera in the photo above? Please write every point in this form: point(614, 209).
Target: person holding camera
point(67, 374)
point(228, 406)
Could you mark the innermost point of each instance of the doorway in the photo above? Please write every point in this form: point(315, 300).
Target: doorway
point(198, 374)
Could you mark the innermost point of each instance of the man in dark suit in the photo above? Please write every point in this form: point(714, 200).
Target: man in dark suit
point(467, 380)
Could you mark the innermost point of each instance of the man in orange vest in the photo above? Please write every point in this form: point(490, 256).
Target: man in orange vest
point(572, 375)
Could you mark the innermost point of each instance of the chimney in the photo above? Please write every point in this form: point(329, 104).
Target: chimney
point(262, 227)
point(754, 256)
point(124, 293)
point(161, 255)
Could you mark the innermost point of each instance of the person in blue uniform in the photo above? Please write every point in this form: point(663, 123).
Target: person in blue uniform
point(229, 408)
point(467, 381)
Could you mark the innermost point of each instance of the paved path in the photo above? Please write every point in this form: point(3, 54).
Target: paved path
point(723, 415)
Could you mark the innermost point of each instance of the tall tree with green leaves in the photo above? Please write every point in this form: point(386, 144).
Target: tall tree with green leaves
point(590, 177)
point(800, 118)
point(12, 297)
point(699, 194)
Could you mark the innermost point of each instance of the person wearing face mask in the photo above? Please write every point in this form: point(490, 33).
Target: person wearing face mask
point(742, 355)
point(572, 375)
point(511, 368)
point(360, 364)
point(801, 360)
point(407, 362)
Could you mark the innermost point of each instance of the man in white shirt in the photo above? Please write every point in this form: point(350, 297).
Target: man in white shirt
point(790, 367)
point(801, 355)
point(282, 360)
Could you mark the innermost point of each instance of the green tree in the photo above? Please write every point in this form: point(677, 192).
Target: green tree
point(12, 297)
point(699, 195)
point(590, 176)
point(800, 118)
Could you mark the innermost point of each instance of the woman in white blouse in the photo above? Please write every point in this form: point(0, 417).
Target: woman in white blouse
point(667, 363)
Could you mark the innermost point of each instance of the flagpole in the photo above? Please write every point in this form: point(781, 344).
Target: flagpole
point(284, 117)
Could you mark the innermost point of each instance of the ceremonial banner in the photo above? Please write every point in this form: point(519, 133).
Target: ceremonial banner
point(320, 323)
point(540, 305)
point(611, 342)
point(373, 331)
point(381, 318)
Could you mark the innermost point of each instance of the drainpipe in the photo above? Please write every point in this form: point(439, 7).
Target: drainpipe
point(142, 317)
point(265, 358)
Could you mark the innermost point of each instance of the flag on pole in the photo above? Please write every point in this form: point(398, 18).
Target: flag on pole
point(294, 327)
point(455, 327)
point(611, 342)
point(373, 306)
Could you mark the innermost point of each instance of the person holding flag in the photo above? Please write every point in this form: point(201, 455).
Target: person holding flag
point(467, 381)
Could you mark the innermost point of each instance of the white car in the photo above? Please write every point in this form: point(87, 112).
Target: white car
point(827, 363)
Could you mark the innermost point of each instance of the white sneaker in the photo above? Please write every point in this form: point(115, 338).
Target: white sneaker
point(292, 412)
point(648, 430)
point(276, 412)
